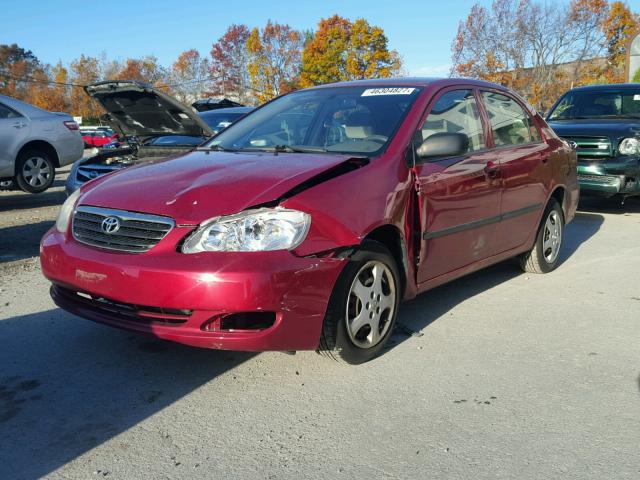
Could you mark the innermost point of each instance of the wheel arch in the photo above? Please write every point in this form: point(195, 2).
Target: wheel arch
point(42, 145)
point(391, 237)
point(560, 194)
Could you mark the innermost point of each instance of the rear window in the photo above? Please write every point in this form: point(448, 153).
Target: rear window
point(6, 112)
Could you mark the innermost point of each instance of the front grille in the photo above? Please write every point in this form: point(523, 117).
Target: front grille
point(592, 147)
point(604, 179)
point(125, 311)
point(136, 232)
point(90, 171)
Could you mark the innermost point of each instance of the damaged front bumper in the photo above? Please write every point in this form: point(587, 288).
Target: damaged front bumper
point(251, 301)
point(609, 177)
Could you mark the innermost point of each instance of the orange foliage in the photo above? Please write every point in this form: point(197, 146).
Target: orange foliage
point(343, 50)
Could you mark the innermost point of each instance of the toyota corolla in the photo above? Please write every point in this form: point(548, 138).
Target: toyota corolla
point(304, 225)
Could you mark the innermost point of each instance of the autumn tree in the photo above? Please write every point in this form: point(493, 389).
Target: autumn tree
point(619, 27)
point(229, 65)
point(344, 50)
point(61, 90)
point(145, 69)
point(84, 71)
point(538, 48)
point(50, 89)
point(17, 67)
point(189, 76)
point(273, 60)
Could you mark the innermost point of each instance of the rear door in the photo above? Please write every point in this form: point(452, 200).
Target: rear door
point(523, 156)
point(14, 128)
point(459, 198)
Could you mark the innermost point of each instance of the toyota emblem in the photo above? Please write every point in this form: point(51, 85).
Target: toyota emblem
point(110, 225)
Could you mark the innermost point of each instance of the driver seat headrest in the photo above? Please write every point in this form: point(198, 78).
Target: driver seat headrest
point(358, 126)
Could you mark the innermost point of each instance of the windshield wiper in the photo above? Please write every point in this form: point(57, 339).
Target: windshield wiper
point(216, 148)
point(290, 149)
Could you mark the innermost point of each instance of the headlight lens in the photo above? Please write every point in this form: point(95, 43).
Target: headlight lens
point(258, 230)
point(62, 222)
point(629, 146)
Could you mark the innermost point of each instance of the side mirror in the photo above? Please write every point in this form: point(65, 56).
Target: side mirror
point(443, 145)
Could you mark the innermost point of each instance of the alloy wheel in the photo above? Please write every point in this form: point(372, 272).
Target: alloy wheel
point(36, 171)
point(552, 237)
point(370, 304)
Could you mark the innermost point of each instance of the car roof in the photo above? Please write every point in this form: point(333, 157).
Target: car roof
point(607, 86)
point(23, 107)
point(414, 82)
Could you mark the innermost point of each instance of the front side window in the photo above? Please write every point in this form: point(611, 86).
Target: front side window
point(354, 120)
point(455, 111)
point(609, 103)
point(6, 112)
point(510, 124)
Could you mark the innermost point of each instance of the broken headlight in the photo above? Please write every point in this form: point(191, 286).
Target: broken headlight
point(629, 146)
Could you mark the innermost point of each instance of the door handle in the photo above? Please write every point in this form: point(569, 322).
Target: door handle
point(492, 169)
point(19, 125)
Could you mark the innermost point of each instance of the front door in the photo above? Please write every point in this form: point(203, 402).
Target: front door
point(459, 198)
point(524, 168)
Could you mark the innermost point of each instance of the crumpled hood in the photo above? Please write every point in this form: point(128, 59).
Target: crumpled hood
point(614, 129)
point(201, 185)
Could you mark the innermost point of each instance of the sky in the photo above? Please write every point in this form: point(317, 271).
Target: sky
point(420, 30)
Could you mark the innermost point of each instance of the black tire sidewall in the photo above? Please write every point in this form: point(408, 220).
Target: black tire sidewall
point(545, 266)
point(335, 333)
point(22, 183)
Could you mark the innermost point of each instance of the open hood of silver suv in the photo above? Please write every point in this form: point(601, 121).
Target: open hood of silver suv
point(141, 110)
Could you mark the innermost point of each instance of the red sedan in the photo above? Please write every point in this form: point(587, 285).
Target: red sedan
point(98, 138)
point(304, 225)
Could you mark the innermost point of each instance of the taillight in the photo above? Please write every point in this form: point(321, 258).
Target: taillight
point(71, 125)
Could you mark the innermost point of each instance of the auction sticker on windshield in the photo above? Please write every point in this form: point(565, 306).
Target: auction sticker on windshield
point(370, 92)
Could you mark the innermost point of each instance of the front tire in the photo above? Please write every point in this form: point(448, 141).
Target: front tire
point(35, 171)
point(544, 257)
point(363, 307)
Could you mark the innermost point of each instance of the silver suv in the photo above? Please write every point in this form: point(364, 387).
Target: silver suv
point(33, 143)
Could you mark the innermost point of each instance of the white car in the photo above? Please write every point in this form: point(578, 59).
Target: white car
point(33, 143)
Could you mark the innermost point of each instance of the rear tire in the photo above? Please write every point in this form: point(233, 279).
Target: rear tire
point(544, 257)
point(363, 307)
point(35, 171)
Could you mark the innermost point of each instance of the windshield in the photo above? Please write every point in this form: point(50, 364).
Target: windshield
point(598, 104)
point(221, 119)
point(354, 120)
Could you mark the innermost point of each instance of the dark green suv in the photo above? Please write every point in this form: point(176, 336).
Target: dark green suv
point(604, 123)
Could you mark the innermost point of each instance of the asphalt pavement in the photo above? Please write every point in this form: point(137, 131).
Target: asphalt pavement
point(497, 375)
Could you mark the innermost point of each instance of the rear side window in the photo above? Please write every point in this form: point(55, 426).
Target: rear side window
point(6, 112)
point(510, 124)
point(455, 111)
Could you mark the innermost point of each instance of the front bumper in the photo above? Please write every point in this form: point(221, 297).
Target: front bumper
point(610, 177)
point(162, 285)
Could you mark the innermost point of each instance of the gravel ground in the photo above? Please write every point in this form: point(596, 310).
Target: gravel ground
point(24, 218)
point(497, 375)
